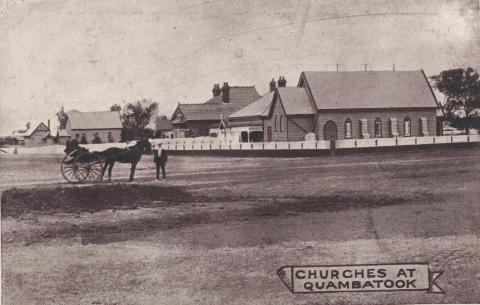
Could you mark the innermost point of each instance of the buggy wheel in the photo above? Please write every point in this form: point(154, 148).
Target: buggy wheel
point(68, 169)
point(89, 168)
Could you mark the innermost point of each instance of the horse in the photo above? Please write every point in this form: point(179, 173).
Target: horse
point(131, 154)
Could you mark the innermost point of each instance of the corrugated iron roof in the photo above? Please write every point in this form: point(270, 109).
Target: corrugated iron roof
point(35, 126)
point(163, 124)
point(214, 107)
point(94, 120)
point(62, 133)
point(369, 89)
point(260, 107)
point(295, 100)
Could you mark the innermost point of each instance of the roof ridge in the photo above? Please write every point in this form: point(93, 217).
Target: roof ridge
point(360, 71)
point(76, 111)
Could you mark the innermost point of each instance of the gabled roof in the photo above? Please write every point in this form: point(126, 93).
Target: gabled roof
point(35, 127)
point(260, 107)
point(295, 100)
point(369, 89)
point(163, 124)
point(215, 107)
point(94, 120)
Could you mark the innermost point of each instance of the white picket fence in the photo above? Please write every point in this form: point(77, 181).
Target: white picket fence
point(191, 144)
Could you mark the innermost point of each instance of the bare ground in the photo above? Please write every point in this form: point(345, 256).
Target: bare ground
point(236, 221)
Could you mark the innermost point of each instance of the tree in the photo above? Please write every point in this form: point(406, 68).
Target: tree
point(62, 118)
point(135, 118)
point(116, 108)
point(461, 88)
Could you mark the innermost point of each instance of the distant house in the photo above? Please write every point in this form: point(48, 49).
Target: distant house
point(38, 136)
point(342, 105)
point(194, 120)
point(103, 126)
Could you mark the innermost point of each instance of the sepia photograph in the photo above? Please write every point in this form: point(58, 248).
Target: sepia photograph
point(239, 152)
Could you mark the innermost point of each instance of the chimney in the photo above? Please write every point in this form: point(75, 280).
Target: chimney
point(226, 93)
point(282, 82)
point(273, 85)
point(48, 124)
point(216, 90)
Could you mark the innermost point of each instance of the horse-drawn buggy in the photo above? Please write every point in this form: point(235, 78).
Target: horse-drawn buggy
point(81, 165)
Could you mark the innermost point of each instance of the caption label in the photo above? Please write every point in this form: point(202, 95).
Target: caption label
point(351, 278)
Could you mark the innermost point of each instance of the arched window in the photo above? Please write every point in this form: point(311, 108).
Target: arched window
point(276, 123)
point(407, 127)
point(281, 122)
point(364, 129)
point(348, 129)
point(110, 137)
point(378, 128)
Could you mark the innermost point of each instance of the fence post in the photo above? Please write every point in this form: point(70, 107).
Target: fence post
point(332, 147)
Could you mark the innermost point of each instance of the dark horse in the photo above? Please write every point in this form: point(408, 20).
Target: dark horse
point(130, 155)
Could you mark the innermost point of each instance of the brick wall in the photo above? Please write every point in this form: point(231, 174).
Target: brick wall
point(339, 118)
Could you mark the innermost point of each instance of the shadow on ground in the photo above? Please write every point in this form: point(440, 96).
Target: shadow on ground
point(127, 196)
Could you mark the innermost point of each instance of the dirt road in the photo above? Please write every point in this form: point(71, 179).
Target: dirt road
point(245, 219)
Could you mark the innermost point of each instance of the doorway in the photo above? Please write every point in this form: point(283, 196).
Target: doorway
point(269, 133)
point(330, 131)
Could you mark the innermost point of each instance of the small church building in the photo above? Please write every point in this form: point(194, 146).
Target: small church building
point(344, 105)
point(95, 126)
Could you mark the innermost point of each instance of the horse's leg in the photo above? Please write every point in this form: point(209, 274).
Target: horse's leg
point(110, 171)
point(132, 170)
point(103, 170)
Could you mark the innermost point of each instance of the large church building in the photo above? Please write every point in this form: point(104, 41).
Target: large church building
point(344, 105)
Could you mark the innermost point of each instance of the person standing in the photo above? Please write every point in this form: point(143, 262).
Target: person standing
point(74, 144)
point(160, 158)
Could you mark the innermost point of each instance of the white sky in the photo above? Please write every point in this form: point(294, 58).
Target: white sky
point(88, 55)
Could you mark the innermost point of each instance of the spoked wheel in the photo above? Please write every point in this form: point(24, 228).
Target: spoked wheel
point(69, 168)
point(89, 168)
